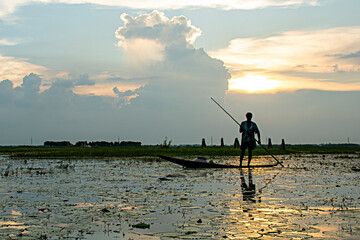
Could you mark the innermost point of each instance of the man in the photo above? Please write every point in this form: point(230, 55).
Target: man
point(248, 141)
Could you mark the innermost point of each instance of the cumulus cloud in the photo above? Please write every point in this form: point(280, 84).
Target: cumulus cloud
point(178, 86)
point(55, 113)
point(293, 52)
point(22, 96)
point(7, 7)
point(145, 37)
point(169, 97)
point(156, 26)
point(180, 64)
point(15, 68)
point(124, 97)
point(31, 83)
point(177, 62)
point(6, 88)
point(143, 51)
point(167, 93)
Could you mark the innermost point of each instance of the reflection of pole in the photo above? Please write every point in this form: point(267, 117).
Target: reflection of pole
point(247, 132)
point(269, 181)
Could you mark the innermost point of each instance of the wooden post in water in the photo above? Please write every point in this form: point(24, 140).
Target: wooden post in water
point(236, 143)
point(282, 147)
point(203, 144)
point(222, 143)
point(269, 143)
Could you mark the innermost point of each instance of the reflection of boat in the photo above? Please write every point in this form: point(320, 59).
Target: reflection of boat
point(201, 164)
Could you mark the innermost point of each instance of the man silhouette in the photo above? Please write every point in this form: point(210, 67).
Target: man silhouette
point(248, 141)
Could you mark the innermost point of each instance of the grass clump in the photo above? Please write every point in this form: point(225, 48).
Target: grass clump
point(141, 225)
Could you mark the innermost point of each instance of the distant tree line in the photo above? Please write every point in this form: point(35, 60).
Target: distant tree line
point(57, 144)
point(92, 144)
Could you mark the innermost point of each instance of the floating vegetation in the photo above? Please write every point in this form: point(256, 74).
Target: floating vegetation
point(314, 196)
point(141, 225)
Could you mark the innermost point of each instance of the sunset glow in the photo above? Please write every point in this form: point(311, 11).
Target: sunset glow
point(253, 83)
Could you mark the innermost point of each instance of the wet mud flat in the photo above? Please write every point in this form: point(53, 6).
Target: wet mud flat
point(312, 197)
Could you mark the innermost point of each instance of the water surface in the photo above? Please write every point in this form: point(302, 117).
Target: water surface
point(313, 196)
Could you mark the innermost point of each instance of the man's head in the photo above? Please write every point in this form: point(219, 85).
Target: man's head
point(248, 116)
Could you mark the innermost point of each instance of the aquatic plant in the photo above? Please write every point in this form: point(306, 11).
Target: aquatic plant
point(141, 225)
point(165, 143)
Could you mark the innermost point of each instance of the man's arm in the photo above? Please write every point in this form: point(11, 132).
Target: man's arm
point(241, 129)
point(257, 131)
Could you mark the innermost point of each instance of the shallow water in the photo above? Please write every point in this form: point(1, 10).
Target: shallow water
point(313, 196)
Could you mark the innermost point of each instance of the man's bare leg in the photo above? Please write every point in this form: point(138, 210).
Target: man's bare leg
point(242, 156)
point(250, 156)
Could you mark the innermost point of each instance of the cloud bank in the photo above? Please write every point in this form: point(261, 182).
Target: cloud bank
point(292, 54)
point(55, 113)
point(9, 6)
point(174, 62)
point(172, 86)
point(15, 68)
point(180, 80)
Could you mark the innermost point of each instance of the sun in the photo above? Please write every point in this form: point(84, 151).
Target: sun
point(253, 83)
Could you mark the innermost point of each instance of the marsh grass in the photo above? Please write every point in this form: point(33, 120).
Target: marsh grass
point(104, 152)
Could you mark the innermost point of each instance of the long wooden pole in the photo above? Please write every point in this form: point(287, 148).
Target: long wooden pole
point(247, 132)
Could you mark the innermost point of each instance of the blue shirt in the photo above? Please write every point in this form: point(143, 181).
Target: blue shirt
point(251, 130)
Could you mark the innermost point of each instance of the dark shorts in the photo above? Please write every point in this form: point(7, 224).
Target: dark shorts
point(250, 145)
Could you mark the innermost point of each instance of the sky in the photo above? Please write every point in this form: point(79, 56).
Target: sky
point(145, 70)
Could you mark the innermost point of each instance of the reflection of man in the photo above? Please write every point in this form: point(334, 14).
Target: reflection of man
point(248, 130)
point(248, 191)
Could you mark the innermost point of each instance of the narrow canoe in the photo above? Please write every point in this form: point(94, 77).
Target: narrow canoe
point(193, 164)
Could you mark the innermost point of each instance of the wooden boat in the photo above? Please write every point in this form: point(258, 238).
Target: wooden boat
point(195, 164)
